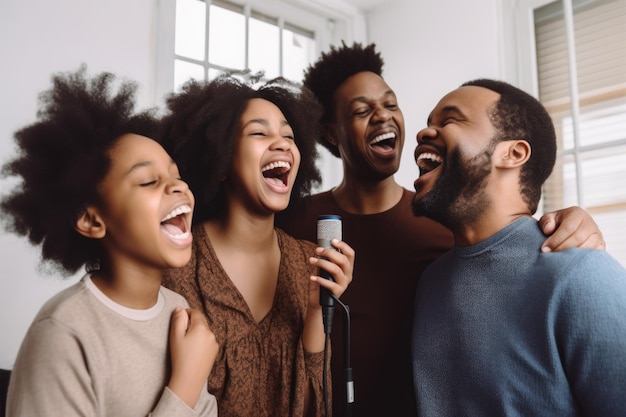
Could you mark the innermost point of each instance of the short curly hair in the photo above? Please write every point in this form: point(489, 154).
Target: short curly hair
point(202, 124)
point(324, 76)
point(518, 115)
point(62, 158)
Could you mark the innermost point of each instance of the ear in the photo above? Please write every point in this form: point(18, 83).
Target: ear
point(512, 153)
point(90, 224)
point(330, 131)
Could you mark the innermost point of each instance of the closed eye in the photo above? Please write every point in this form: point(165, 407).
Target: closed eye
point(361, 112)
point(148, 183)
point(448, 121)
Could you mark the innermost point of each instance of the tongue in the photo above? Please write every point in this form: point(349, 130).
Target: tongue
point(172, 229)
point(274, 181)
point(384, 146)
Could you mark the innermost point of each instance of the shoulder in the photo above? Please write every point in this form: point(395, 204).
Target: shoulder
point(587, 267)
point(65, 303)
point(61, 319)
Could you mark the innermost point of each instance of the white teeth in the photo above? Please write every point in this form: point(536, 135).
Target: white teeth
point(384, 136)
point(180, 236)
point(177, 211)
point(277, 164)
point(431, 156)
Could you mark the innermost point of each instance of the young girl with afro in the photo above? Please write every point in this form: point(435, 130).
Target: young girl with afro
point(97, 192)
point(244, 151)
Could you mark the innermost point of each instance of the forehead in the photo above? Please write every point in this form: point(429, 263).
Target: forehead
point(259, 108)
point(131, 149)
point(363, 84)
point(469, 100)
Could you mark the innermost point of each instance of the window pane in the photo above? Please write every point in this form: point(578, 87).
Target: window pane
point(299, 51)
point(190, 28)
point(227, 38)
point(264, 43)
point(613, 223)
point(605, 123)
point(213, 73)
point(183, 71)
point(604, 176)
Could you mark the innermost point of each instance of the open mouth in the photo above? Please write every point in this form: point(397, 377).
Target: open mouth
point(176, 223)
point(427, 161)
point(277, 173)
point(386, 141)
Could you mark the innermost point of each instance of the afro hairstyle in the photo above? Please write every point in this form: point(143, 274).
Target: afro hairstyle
point(62, 158)
point(202, 125)
point(330, 71)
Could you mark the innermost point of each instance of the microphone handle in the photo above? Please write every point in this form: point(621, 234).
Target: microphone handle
point(326, 298)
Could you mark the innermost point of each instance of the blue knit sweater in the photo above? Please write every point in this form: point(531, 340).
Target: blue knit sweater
point(502, 329)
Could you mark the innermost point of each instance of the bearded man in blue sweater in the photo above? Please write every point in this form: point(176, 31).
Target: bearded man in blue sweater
point(500, 327)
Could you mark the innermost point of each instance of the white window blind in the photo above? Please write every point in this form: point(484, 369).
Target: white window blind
point(591, 165)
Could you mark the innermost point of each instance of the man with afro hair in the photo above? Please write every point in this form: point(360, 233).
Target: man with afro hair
point(364, 126)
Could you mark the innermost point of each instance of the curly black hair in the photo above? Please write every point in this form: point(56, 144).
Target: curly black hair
point(518, 115)
point(325, 75)
point(61, 160)
point(202, 124)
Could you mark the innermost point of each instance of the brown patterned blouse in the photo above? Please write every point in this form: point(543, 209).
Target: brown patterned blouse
point(262, 368)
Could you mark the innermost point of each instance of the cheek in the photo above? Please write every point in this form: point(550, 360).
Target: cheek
point(400, 120)
point(296, 158)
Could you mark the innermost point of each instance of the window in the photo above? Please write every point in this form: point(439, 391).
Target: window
point(585, 41)
point(212, 37)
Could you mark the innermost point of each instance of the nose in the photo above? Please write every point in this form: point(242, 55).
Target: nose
point(426, 134)
point(381, 114)
point(281, 144)
point(177, 185)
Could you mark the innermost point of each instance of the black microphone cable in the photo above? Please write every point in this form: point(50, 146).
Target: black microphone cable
point(346, 357)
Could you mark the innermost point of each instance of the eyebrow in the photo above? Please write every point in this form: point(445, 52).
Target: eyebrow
point(364, 98)
point(264, 122)
point(144, 164)
point(447, 110)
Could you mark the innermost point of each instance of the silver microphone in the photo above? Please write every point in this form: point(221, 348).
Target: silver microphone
point(328, 228)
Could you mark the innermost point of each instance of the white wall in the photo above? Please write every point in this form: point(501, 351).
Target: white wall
point(429, 48)
point(36, 40)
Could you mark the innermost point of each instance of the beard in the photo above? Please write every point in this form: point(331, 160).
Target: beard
point(458, 196)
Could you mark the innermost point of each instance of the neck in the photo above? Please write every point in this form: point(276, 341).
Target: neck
point(244, 232)
point(129, 286)
point(359, 197)
point(486, 226)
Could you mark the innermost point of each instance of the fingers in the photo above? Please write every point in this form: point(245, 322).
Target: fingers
point(196, 320)
point(180, 322)
point(547, 222)
point(339, 263)
point(569, 228)
point(595, 241)
point(193, 349)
